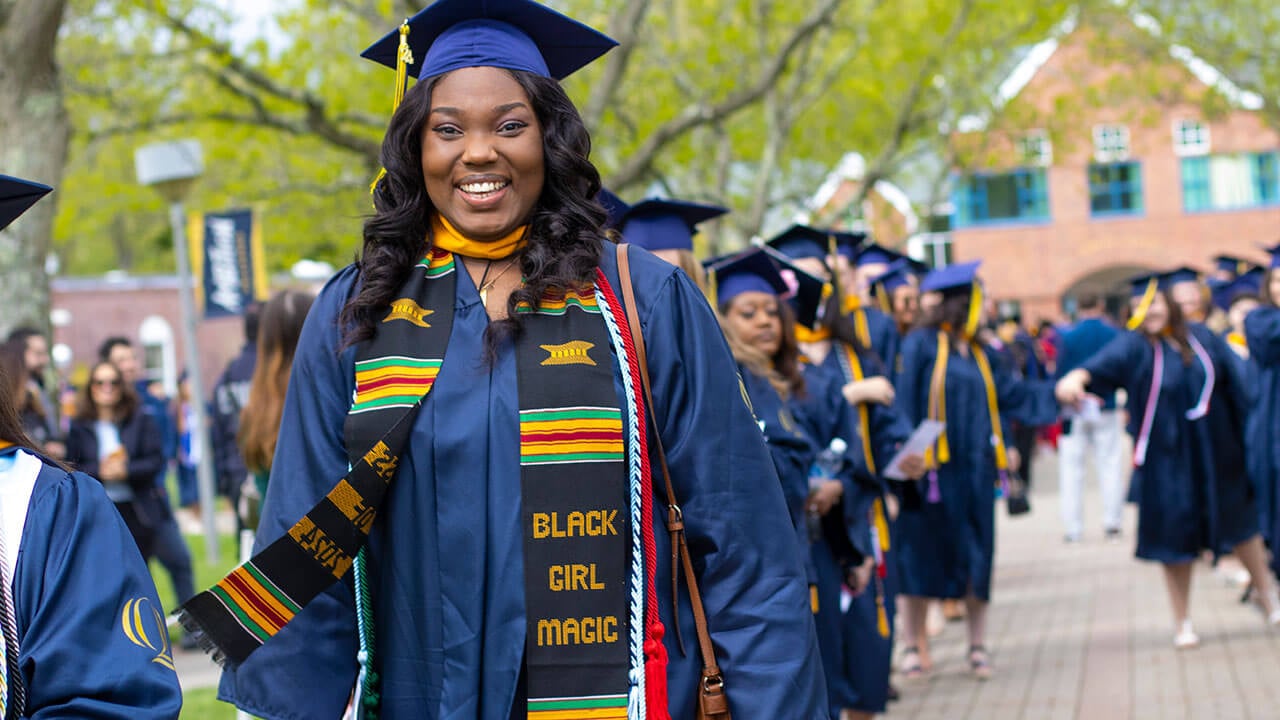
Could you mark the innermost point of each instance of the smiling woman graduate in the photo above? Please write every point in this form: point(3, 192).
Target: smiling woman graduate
point(497, 549)
point(83, 632)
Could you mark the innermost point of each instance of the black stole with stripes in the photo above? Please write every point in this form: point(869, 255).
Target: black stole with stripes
point(574, 491)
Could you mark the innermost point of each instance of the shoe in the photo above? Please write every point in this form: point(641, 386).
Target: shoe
point(1186, 639)
point(892, 695)
point(979, 662)
point(1112, 535)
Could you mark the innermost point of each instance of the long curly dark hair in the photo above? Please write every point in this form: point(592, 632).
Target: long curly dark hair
point(565, 230)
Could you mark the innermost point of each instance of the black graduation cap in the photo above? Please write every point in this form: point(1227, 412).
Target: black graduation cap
point(1236, 266)
point(1140, 285)
point(658, 224)
point(876, 254)
point(17, 196)
point(511, 34)
point(805, 290)
point(1274, 252)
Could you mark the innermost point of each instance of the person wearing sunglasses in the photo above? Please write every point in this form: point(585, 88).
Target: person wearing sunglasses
point(113, 440)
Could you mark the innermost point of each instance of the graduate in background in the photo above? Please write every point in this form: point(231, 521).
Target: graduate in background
point(854, 263)
point(1189, 401)
point(665, 228)
point(1262, 335)
point(1188, 290)
point(897, 293)
point(946, 544)
point(460, 604)
point(83, 632)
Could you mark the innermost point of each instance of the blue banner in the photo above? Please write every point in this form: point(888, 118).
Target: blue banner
point(227, 262)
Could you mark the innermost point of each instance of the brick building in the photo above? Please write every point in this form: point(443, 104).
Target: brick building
point(1114, 153)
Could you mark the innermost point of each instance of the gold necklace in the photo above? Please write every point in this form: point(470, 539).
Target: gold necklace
point(485, 286)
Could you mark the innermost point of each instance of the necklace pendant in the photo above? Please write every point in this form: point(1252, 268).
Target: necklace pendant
point(484, 296)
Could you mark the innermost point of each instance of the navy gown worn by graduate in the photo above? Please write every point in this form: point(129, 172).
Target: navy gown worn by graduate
point(445, 553)
point(1262, 331)
point(90, 629)
point(1190, 480)
point(946, 544)
point(855, 636)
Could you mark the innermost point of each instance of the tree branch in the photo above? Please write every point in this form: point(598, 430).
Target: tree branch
point(625, 27)
point(697, 115)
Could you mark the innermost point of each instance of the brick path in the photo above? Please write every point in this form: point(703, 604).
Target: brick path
point(1084, 632)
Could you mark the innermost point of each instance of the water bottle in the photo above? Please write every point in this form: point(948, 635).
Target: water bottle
point(825, 467)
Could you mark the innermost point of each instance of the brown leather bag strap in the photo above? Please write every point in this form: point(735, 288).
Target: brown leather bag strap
point(712, 680)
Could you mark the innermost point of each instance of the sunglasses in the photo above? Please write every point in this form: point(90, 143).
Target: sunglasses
point(112, 383)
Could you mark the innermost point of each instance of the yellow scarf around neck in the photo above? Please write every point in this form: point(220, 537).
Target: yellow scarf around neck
point(446, 237)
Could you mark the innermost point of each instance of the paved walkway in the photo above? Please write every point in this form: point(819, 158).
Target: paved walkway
point(1078, 632)
point(1083, 632)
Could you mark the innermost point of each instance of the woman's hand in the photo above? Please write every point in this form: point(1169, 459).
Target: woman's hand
point(913, 467)
point(826, 496)
point(860, 577)
point(1070, 390)
point(114, 468)
point(892, 506)
point(876, 390)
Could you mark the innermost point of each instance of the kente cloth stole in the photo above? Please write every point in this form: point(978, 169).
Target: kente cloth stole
point(851, 369)
point(585, 576)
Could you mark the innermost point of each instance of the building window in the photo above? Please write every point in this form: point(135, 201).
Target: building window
point(932, 248)
point(1115, 189)
point(1037, 150)
point(1190, 138)
point(1230, 182)
point(1021, 195)
point(159, 353)
point(1110, 143)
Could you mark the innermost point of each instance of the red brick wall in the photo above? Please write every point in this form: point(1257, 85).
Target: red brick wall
point(1038, 263)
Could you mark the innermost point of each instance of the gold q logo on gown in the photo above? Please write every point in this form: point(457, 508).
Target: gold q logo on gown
point(145, 627)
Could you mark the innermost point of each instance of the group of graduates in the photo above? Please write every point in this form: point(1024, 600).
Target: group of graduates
point(1200, 371)
point(844, 346)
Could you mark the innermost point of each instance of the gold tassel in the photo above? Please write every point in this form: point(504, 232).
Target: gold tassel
point(404, 58)
point(882, 617)
point(1144, 307)
point(975, 311)
point(882, 524)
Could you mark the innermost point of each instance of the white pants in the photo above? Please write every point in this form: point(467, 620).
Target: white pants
point(1102, 437)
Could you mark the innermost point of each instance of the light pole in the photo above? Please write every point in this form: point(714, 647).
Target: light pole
point(172, 168)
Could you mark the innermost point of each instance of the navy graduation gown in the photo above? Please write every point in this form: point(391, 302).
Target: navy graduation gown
point(946, 549)
point(78, 583)
point(446, 553)
point(1192, 491)
point(1262, 331)
point(855, 657)
point(793, 452)
point(885, 340)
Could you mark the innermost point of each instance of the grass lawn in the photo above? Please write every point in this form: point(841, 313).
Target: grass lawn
point(203, 704)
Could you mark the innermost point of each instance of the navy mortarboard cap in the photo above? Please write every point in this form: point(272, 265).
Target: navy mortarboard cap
point(1274, 252)
point(848, 243)
point(804, 290)
point(1179, 275)
point(1226, 294)
point(665, 224)
point(875, 254)
point(510, 34)
point(899, 274)
point(953, 277)
point(748, 271)
point(799, 242)
point(17, 196)
point(614, 206)
point(1139, 284)
point(1231, 264)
